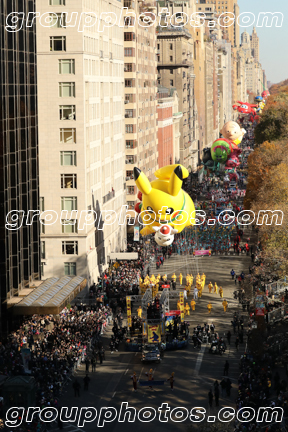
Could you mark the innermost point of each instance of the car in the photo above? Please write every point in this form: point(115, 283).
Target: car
point(152, 353)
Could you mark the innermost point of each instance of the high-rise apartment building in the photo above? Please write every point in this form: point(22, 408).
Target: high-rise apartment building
point(81, 136)
point(175, 67)
point(255, 45)
point(19, 181)
point(140, 73)
point(168, 126)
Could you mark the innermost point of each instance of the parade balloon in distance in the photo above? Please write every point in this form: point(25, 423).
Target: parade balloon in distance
point(231, 131)
point(164, 202)
point(258, 99)
point(220, 150)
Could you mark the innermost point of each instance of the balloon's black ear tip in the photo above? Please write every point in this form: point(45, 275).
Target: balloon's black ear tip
point(136, 172)
point(178, 172)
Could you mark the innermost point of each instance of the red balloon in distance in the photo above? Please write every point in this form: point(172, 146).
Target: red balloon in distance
point(137, 208)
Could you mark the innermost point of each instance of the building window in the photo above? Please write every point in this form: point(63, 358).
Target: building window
point(43, 254)
point(58, 43)
point(70, 269)
point(130, 82)
point(130, 128)
point(57, 20)
point(67, 89)
point(67, 112)
point(129, 36)
point(42, 226)
point(171, 83)
point(171, 46)
point(68, 136)
point(68, 158)
point(129, 175)
point(130, 190)
point(66, 66)
point(130, 113)
point(57, 2)
point(42, 204)
point(129, 67)
point(129, 52)
point(69, 226)
point(70, 248)
point(131, 204)
point(171, 71)
point(69, 203)
point(42, 269)
point(171, 58)
point(130, 144)
point(130, 97)
point(158, 46)
point(69, 181)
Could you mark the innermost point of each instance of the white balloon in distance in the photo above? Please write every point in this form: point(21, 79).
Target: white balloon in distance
point(164, 235)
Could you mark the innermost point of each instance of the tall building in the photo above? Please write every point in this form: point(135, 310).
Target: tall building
point(81, 137)
point(255, 45)
point(246, 45)
point(19, 180)
point(175, 69)
point(168, 126)
point(140, 73)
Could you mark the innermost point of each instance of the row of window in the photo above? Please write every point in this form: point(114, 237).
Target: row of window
point(67, 203)
point(68, 227)
point(68, 248)
point(69, 269)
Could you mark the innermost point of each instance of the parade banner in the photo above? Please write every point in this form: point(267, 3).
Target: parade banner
point(182, 306)
point(172, 313)
point(128, 305)
point(202, 252)
point(144, 328)
point(154, 333)
point(136, 233)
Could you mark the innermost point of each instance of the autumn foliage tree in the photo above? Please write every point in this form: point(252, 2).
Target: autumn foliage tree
point(267, 187)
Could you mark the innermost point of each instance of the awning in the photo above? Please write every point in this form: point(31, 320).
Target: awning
point(51, 296)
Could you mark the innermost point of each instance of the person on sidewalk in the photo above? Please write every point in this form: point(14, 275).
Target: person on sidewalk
point(76, 387)
point(86, 380)
point(229, 337)
point(210, 398)
point(134, 380)
point(171, 380)
point(226, 368)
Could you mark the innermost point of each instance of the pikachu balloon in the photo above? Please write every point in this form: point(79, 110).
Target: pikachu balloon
point(164, 203)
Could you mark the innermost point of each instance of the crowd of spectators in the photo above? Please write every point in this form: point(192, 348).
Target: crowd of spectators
point(258, 387)
point(57, 346)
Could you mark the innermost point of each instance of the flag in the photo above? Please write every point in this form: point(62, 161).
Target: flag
point(154, 333)
point(128, 305)
point(136, 233)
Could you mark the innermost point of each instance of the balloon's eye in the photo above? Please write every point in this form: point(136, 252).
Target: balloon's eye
point(149, 209)
point(169, 210)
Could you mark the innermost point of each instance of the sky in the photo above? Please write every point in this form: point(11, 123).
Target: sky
point(273, 40)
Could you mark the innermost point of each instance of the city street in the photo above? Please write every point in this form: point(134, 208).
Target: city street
point(195, 369)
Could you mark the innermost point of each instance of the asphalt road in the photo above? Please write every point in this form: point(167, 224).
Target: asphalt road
point(195, 370)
